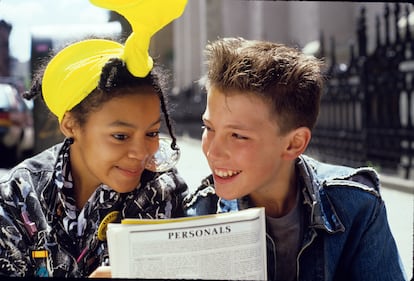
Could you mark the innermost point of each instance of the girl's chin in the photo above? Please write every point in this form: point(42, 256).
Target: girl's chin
point(124, 188)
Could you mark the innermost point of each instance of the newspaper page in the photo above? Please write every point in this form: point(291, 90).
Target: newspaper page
point(230, 246)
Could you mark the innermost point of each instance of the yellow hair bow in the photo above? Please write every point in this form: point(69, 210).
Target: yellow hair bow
point(75, 71)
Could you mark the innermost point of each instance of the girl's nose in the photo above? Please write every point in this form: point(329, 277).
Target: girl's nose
point(139, 150)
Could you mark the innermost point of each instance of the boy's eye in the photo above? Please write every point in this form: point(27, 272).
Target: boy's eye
point(205, 127)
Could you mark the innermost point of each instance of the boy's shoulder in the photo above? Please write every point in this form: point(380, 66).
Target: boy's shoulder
point(203, 200)
point(332, 174)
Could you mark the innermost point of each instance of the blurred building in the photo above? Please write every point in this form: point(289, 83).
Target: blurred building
point(180, 45)
point(5, 29)
point(297, 23)
point(336, 31)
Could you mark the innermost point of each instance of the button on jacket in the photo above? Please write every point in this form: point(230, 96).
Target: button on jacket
point(346, 232)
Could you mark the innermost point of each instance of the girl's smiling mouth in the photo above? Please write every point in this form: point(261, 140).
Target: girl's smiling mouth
point(134, 172)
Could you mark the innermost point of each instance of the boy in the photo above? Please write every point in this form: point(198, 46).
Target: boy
point(324, 222)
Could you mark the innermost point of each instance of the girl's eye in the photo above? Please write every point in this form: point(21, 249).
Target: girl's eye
point(120, 136)
point(153, 134)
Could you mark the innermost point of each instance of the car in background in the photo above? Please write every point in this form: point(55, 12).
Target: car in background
point(16, 126)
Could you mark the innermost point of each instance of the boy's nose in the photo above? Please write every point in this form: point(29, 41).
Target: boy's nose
point(215, 149)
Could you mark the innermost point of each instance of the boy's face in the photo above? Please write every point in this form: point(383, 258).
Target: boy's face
point(242, 144)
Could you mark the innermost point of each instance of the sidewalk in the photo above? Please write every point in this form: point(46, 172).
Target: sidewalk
point(396, 183)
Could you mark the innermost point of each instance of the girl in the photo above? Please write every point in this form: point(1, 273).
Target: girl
point(55, 206)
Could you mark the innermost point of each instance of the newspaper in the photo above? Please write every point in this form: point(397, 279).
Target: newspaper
point(222, 246)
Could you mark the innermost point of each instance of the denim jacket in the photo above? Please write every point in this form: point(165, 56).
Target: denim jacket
point(346, 232)
point(34, 240)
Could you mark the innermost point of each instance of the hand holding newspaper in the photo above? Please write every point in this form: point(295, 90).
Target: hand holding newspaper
point(222, 246)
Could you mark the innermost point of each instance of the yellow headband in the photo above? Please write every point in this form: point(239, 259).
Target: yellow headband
point(75, 71)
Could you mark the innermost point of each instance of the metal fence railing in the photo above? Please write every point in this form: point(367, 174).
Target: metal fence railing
point(367, 110)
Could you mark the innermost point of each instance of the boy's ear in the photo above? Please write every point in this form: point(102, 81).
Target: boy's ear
point(68, 125)
point(298, 141)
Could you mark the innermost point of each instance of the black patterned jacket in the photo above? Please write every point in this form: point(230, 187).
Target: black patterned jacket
point(33, 240)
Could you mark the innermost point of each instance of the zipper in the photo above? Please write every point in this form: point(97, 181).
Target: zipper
point(302, 250)
point(268, 238)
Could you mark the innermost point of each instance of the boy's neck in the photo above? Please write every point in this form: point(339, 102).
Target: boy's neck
point(282, 198)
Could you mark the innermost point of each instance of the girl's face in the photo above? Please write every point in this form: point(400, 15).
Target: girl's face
point(242, 144)
point(116, 142)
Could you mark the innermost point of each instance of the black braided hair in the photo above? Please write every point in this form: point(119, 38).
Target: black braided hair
point(36, 86)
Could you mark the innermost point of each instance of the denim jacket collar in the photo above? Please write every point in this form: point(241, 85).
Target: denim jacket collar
point(322, 212)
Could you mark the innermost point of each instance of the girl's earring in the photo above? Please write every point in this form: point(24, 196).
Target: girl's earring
point(165, 158)
point(70, 140)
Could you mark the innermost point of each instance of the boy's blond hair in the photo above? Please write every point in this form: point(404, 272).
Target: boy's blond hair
point(286, 78)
